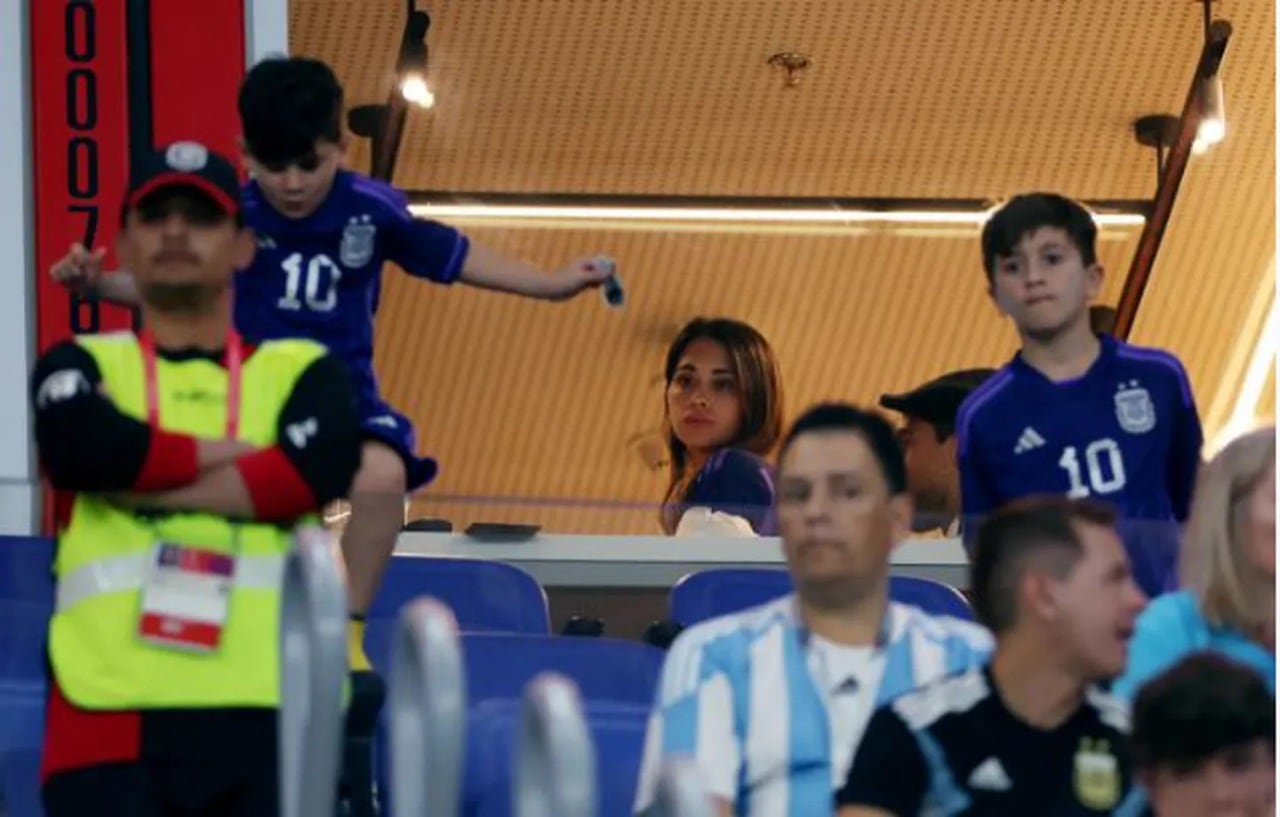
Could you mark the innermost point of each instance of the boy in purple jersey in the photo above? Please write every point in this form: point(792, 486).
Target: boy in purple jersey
point(1075, 412)
point(323, 235)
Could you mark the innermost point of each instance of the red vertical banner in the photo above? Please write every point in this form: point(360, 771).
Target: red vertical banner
point(80, 146)
point(174, 67)
point(80, 140)
point(198, 61)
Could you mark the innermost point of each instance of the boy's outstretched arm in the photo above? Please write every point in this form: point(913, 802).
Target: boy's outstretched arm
point(437, 252)
point(489, 269)
point(81, 271)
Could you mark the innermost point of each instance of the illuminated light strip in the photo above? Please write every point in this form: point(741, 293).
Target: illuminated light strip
point(752, 215)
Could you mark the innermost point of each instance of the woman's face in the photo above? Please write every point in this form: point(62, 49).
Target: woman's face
point(702, 398)
point(1260, 524)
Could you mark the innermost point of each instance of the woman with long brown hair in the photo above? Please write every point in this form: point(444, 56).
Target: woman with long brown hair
point(722, 418)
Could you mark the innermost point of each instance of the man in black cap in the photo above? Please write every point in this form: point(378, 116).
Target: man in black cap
point(188, 455)
point(928, 440)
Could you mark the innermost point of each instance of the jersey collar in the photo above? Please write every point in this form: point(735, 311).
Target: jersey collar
point(1102, 364)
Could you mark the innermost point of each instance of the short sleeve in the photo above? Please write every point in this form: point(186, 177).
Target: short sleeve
point(428, 249)
point(421, 247)
point(737, 483)
point(888, 770)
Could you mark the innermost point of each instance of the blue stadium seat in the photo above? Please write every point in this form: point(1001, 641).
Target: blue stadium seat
point(933, 597)
point(485, 596)
point(498, 666)
point(617, 730)
point(26, 603)
point(720, 591)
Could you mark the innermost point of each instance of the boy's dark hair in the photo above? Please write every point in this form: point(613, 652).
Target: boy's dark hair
point(287, 104)
point(1040, 528)
point(1029, 212)
point(1204, 706)
point(873, 428)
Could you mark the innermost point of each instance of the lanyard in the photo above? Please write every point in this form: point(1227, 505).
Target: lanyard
point(234, 356)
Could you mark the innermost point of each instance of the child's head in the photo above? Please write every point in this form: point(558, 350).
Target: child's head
point(1039, 252)
point(291, 115)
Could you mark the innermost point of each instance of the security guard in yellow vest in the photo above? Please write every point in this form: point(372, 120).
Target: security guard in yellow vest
point(185, 456)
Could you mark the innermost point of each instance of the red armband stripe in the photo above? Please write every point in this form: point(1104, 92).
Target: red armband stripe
point(173, 461)
point(277, 490)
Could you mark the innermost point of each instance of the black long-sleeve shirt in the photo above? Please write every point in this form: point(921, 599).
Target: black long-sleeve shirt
point(87, 444)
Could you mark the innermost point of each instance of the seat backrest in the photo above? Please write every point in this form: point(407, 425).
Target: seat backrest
point(493, 726)
point(26, 604)
point(935, 598)
point(26, 569)
point(723, 590)
point(499, 666)
point(485, 596)
point(719, 591)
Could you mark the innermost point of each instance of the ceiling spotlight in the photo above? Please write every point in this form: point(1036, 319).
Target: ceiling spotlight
point(414, 88)
point(411, 65)
point(1213, 116)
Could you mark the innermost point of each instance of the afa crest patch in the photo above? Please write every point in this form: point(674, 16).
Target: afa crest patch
point(1097, 775)
point(1135, 410)
point(358, 242)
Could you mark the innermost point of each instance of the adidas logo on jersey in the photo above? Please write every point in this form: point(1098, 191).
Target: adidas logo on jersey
point(990, 776)
point(1028, 440)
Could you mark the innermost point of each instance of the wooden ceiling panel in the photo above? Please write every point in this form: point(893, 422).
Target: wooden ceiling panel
point(927, 99)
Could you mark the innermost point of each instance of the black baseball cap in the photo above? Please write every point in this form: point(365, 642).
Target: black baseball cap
point(186, 164)
point(938, 401)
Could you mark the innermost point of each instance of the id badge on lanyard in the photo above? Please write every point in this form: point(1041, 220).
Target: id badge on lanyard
point(186, 593)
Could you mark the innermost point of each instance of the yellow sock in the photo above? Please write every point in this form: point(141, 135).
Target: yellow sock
point(355, 647)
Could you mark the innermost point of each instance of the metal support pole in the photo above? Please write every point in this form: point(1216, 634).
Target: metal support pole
point(426, 702)
point(313, 669)
point(555, 773)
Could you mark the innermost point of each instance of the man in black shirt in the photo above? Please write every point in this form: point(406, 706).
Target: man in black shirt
point(1026, 735)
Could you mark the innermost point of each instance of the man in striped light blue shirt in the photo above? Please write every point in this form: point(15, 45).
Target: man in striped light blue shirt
point(771, 702)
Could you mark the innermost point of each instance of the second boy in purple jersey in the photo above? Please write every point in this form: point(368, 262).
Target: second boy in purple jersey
point(1073, 412)
point(323, 235)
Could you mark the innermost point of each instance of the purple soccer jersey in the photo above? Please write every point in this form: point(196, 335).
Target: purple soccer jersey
point(320, 278)
point(1126, 432)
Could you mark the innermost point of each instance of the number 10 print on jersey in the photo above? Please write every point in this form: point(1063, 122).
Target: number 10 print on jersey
point(313, 284)
point(1103, 463)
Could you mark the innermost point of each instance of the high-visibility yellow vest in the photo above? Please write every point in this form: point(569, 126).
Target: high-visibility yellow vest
point(98, 658)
